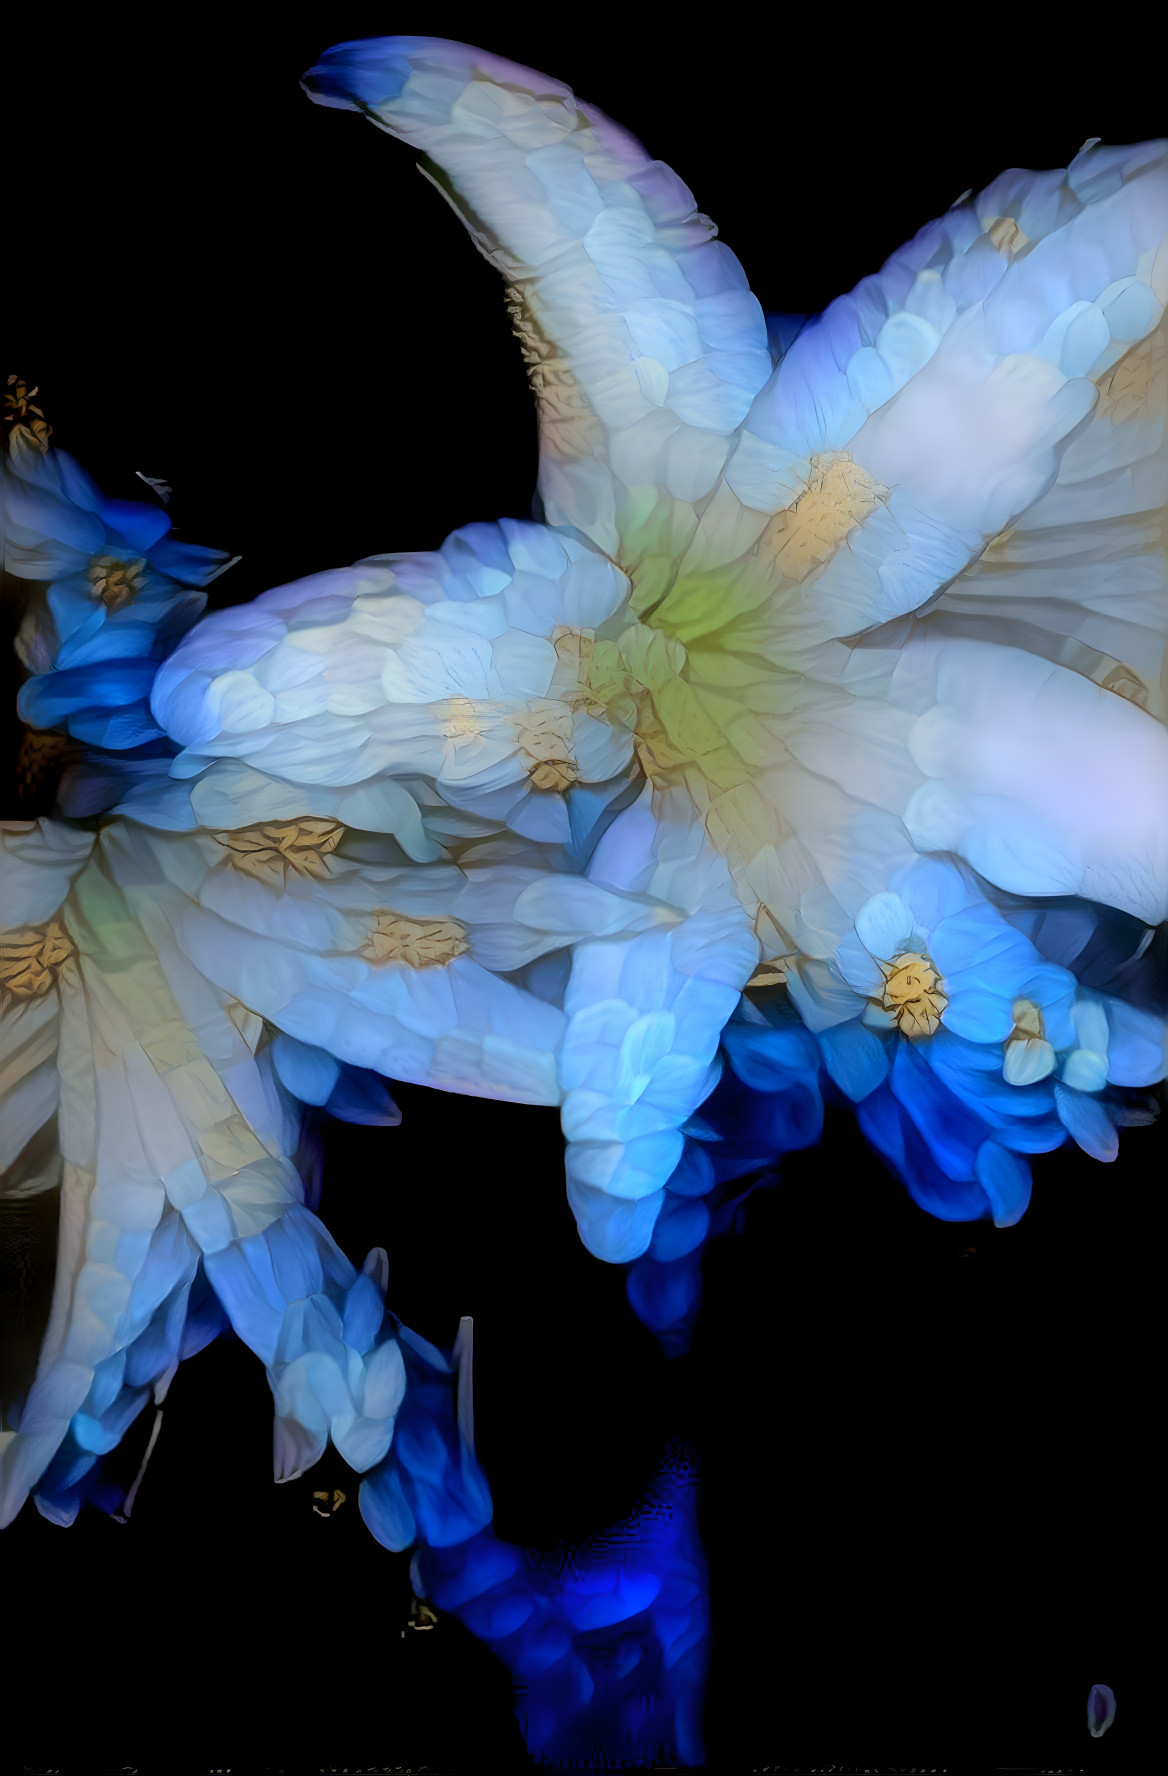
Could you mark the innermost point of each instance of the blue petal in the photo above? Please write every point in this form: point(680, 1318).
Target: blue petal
point(363, 1097)
point(694, 1174)
point(139, 526)
point(769, 1059)
point(681, 1227)
point(632, 1593)
point(1088, 1122)
point(351, 76)
point(48, 701)
point(363, 1314)
point(951, 1130)
point(855, 1057)
point(933, 891)
point(1006, 1181)
point(189, 563)
point(310, 1074)
point(664, 1295)
point(973, 1072)
point(383, 1505)
point(893, 1135)
point(1100, 1710)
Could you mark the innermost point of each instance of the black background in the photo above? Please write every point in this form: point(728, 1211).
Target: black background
point(926, 1498)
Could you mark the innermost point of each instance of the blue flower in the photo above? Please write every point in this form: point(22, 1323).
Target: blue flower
point(120, 594)
point(931, 951)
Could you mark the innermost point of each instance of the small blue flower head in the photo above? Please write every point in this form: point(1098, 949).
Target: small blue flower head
point(120, 592)
point(931, 951)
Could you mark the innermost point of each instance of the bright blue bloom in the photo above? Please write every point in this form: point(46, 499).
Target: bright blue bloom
point(985, 966)
point(121, 592)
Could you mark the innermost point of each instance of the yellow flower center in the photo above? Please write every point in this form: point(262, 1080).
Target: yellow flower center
point(116, 583)
point(419, 943)
point(912, 993)
point(277, 846)
point(32, 957)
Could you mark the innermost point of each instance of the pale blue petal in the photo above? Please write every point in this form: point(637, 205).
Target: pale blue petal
point(855, 1057)
point(1087, 1121)
point(1006, 1181)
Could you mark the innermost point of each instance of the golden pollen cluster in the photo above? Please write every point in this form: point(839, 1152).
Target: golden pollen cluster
point(18, 426)
point(116, 583)
point(1138, 381)
point(839, 494)
point(461, 721)
point(271, 850)
point(568, 424)
point(1006, 236)
point(574, 652)
point(544, 731)
point(419, 943)
point(32, 957)
point(912, 993)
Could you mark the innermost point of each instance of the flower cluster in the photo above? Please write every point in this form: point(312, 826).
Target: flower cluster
point(815, 744)
point(115, 589)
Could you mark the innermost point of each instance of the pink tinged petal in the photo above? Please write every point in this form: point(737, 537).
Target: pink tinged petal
point(295, 1448)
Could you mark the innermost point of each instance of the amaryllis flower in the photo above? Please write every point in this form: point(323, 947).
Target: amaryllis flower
point(827, 642)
